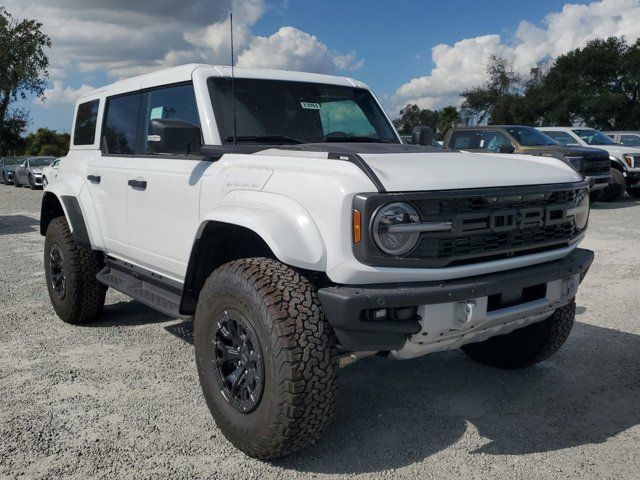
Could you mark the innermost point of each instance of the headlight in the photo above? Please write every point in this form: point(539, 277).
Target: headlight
point(629, 159)
point(576, 162)
point(387, 228)
point(581, 209)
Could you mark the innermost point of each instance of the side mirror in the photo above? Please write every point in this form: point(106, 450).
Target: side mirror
point(422, 135)
point(173, 136)
point(507, 149)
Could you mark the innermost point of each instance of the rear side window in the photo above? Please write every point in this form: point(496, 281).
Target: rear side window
point(121, 125)
point(84, 131)
point(632, 140)
point(469, 139)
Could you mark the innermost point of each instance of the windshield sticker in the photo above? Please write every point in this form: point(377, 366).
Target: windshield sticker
point(310, 105)
point(156, 112)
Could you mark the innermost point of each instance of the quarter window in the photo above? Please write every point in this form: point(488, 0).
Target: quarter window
point(84, 131)
point(121, 125)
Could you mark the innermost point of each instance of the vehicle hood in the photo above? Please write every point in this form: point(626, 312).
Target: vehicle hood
point(416, 168)
point(618, 150)
point(568, 151)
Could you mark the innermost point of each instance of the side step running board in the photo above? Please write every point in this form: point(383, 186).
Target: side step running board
point(151, 294)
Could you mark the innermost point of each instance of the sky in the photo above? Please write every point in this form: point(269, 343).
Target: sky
point(407, 51)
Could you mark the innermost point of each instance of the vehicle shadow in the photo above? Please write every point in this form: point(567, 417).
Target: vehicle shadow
point(624, 203)
point(393, 414)
point(13, 224)
point(128, 313)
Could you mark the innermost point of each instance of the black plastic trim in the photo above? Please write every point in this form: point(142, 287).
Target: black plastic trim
point(359, 162)
point(145, 275)
point(74, 215)
point(344, 305)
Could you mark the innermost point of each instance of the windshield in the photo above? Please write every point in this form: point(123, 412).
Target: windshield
point(13, 161)
point(594, 137)
point(277, 111)
point(530, 137)
point(40, 162)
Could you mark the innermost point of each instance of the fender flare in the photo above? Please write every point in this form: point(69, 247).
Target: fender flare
point(284, 224)
point(618, 164)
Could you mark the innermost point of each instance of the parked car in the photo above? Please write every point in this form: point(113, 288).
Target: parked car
point(29, 172)
point(593, 163)
point(625, 159)
point(301, 248)
point(631, 139)
point(7, 168)
point(50, 172)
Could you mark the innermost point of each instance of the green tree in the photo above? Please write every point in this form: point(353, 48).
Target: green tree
point(448, 117)
point(500, 100)
point(598, 85)
point(23, 71)
point(47, 142)
point(439, 120)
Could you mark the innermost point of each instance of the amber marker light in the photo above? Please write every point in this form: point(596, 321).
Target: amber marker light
point(356, 227)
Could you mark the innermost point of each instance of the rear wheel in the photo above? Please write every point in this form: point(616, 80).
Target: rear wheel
point(615, 191)
point(266, 357)
point(77, 297)
point(528, 345)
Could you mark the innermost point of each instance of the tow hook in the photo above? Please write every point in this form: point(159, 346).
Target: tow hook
point(353, 357)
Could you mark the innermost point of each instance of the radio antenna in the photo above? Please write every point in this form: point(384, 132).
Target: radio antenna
point(233, 86)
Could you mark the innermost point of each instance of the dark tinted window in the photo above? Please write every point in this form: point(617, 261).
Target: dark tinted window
point(563, 138)
point(466, 139)
point(594, 137)
point(121, 124)
point(632, 140)
point(530, 137)
point(173, 103)
point(85, 129)
point(286, 111)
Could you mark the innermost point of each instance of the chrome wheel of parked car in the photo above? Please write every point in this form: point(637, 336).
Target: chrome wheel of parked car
point(56, 265)
point(237, 357)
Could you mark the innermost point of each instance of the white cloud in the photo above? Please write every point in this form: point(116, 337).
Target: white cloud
point(293, 49)
point(60, 95)
point(462, 65)
point(125, 38)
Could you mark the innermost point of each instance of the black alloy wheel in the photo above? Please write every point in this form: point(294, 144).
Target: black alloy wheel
point(238, 361)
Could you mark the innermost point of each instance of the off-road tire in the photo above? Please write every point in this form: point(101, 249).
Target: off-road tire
point(299, 352)
point(84, 295)
point(528, 345)
point(595, 196)
point(615, 190)
point(634, 191)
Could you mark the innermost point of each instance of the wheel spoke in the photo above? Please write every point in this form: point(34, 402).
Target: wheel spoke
point(227, 352)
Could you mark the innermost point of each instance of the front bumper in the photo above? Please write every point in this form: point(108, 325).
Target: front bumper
point(632, 176)
point(496, 296)
point(599, 182)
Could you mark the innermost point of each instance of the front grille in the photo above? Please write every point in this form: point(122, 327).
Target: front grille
point(487, 224)
point(595, 166)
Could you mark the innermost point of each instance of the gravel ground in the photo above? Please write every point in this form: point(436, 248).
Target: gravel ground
point(120, 398)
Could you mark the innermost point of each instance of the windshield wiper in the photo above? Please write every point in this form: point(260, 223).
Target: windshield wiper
point(264, 138)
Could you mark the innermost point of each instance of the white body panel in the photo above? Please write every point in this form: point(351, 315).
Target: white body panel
point(298, 202)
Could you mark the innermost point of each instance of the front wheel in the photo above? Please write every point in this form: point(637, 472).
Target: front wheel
point(16, 183)
point(266, 357)
point(615, 190)
point(45, 182)
point(634, 191)
point(70, 270)
point(528, 345)
point(32, 185)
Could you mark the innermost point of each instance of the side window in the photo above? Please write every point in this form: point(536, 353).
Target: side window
point(84, 131)
point(347, 117)
point(121, 124)
point(462, 140)
point(492, 141)
point(170, 103)
point(633, 140)
point(562, 138)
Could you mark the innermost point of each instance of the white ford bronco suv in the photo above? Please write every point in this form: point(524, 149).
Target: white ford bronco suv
point(282, 211)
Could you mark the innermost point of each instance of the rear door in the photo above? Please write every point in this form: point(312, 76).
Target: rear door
point(164, 195)
point(108, 170)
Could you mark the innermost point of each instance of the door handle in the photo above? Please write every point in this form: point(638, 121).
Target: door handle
point(139, 184)
point(94, 178)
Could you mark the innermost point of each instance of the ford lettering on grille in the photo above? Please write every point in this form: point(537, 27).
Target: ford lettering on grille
point(507, 220)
